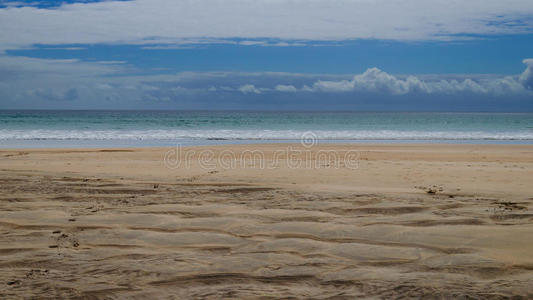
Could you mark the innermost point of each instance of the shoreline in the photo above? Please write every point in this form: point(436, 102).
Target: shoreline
point(95, 144)
point(268, 143)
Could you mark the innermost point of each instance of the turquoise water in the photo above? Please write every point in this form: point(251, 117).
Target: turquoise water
point(169, 127)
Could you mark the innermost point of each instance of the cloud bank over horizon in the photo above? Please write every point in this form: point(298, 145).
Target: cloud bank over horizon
point(77, 84)
point(376, 80)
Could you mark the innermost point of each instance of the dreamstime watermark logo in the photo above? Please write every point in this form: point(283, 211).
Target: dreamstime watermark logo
point(293, 157)
point(308, 139)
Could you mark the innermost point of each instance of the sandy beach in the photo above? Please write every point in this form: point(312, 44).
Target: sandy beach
point(401, 220)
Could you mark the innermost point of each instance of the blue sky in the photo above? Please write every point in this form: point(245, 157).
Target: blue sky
point(244, 54)
point(487, 54)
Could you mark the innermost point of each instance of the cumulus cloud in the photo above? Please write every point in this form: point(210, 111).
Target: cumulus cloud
point(372, 81)
point(249, 88)
point(172, 21)
point(376, 80)
point(527, 76)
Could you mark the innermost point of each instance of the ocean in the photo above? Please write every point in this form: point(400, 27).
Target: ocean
point(168, 128)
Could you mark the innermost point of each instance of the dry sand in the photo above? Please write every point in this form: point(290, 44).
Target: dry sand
point(435, 221)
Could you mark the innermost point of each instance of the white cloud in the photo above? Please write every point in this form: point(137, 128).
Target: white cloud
point(252, 43)
point(111, 62)
point(375, 80)
point(272, 44)
point(372, 80)
point(285, 88)
point(172, 21)
point(65, 48)
point(527, 76)
point(52, 67)
point(249, 88)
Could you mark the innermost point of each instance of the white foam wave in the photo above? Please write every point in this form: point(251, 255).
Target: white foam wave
point(171, 134)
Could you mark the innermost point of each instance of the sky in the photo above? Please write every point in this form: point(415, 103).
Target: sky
point(330, 55)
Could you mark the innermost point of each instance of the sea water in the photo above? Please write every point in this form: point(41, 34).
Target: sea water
point(166, 128)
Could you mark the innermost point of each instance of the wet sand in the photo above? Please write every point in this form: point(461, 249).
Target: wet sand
point(431, 221)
